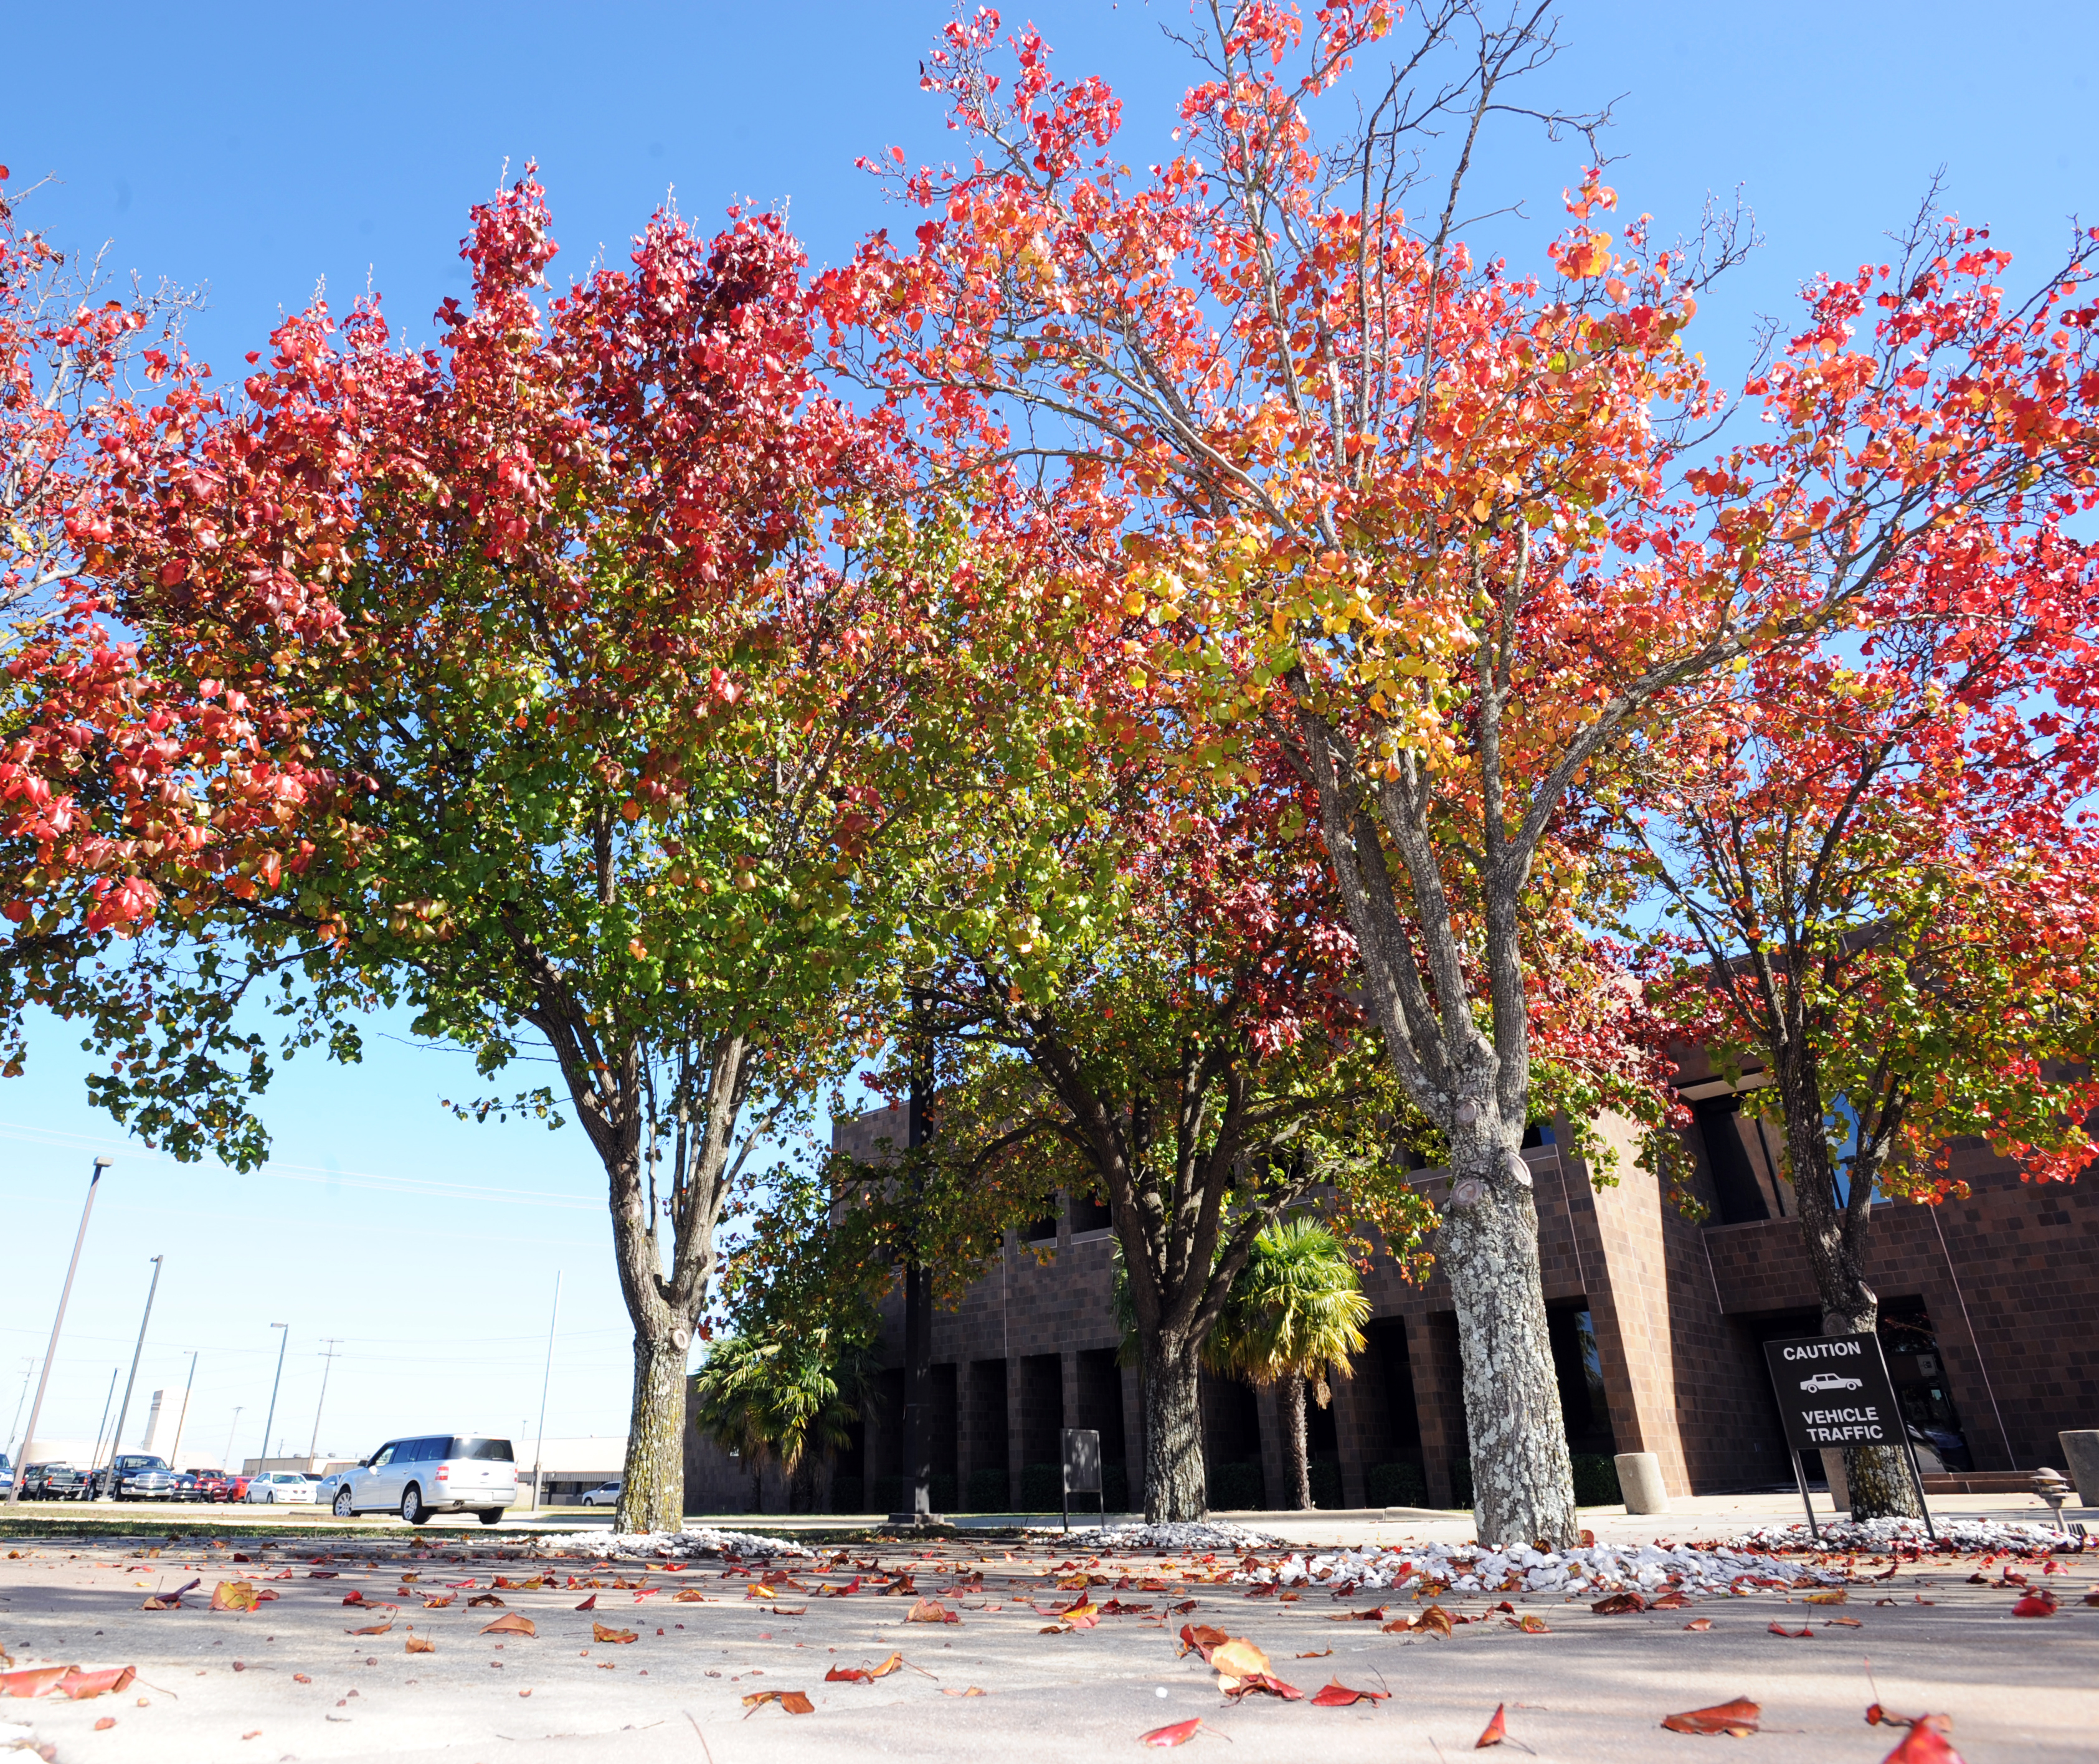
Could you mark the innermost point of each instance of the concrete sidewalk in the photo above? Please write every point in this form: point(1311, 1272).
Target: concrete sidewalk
point(292, 1681)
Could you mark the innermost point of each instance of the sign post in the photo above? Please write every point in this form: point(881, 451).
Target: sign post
point(1082, 1468)
point(1834, 1390)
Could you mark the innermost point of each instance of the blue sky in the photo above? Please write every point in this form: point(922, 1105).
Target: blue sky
point(256, 151)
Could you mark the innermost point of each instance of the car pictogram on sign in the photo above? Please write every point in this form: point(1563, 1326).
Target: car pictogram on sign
point(1831, 1381)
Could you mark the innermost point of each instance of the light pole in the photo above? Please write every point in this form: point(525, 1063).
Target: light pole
point(182, 1420)
point(327, 1365)
point(539, 1444)
point(95, 1463)
point(225, 1457)
point(271, 1420)
point(65, 1292)
point(117, 1439)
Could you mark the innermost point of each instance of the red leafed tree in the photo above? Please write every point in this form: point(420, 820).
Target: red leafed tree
point(598, 700)
point(86, 732)
point(1426, 521)
point(1882, 850)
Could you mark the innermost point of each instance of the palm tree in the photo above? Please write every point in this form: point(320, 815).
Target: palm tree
point(786, 1395)
point(1293, 1315)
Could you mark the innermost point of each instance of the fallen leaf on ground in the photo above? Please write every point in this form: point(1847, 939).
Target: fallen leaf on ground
point(1924, 1744)
point(1802, 1633)
point(1671, 1600)
point(80, 1685)
point(1237, 1658)
point(1435, 1620)
point(1738, 1718)
point(1835, 1598)
point(511, 1623)
point(300, 1677)
point(1531, 1624)
point(484, 1598)
point(438, 1602)
point(1375, 1614)
point(1318, 1654)
point(1845, 1623)
point(1200, 1637)
point(863, 1675)
point(1265, 1683)
point(531, 1586)
point(1700, 1624)
point(105, 1723)
point(794, 1702)
point(234, 1595)
point(1496, 1731)
point(372, 1628)
point(1179, 1734)
point(1335, 1695)
point(417, 1645)
point(972, 1690)
point(687, 1595)
point(618, 1638)
point(589, 1604)
point(2039, 1605)
point(1618, 1603)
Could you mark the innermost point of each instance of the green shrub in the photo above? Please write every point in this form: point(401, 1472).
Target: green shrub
point(1324, 1474)
point(1042, 1488)
point(1400, 1485)
point(1235, 1487)
point(990, 1491)
point(1597, 1480)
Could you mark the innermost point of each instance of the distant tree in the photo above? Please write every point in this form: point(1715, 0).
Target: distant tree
point(1292, 1318)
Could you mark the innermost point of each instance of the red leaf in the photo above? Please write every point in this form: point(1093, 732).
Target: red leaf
point(1924, 1744)
point(1496, 1730)
point(1802, 1634)
point(2039, 1605)
point(1338, 1696)
point(1738, 1718)
point(1618, 1603)
point(589, 1604)
point(1179, 1734)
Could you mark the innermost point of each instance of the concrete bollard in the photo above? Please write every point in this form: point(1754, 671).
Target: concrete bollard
point(1639, 1481)
point(2081, 1457)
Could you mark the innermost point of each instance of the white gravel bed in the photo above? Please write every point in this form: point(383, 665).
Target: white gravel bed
point(1588, 1572)
point(1964, 1535)
point(694, 1540)
point(1210, 1535)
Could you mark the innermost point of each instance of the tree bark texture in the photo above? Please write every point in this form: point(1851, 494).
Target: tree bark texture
point(1297, 1452)
point(652, 1494)
point(1176, 1481)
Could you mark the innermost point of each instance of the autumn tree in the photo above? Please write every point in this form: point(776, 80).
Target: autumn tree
point(597, 731)
point(1436, 527)
point(1878, 852)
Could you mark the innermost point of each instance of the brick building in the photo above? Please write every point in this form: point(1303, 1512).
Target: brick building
point(1990, 1320)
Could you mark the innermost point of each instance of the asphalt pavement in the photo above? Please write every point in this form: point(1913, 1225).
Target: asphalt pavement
point(299, 1677)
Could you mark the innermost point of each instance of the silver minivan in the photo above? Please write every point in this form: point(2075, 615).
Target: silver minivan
point(432, 1473)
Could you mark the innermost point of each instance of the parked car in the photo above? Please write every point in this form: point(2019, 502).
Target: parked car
point(605, 1494)
point(236, 1488)
point(51, 1482)
point(136, 1477)
point(6, 1472)
point(280, 1488)
point(200, 1485)
point(432, 1473)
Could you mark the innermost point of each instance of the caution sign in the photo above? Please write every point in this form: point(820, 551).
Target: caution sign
point(1834, 1392)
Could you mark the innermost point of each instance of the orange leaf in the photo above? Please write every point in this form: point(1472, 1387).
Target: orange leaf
point(620, 1637)
point(80, 1685)
point(372, 1628)
point(433, 1602)
point(1531, 1624)
point(1200, 1637)
point(1237, 1658)
point(1802, 1634)
point(107, 1722)
point(32, 1681)
point(1496, 1730)
point(233, 1595)
point(417, 1645)
point(931, 1611)
point(794, 1702)
point(1925, 1743)
point(1738, 1718)
point(687, 1595)
point(972, 1690)
point(511, 1623)
point(1835, 1598)
point(1179, 1734)
point(1700, 1624)
point(1618, 1603)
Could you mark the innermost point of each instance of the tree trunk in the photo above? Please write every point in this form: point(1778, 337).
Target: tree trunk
point(1523, 1481)
point(1175, 1485)
point(1298, 1457)
point(652, 1492)
point(1835, 1238)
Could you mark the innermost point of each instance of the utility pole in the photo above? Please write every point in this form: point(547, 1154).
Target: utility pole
point(95, 1463)
point(117, 1439)
point(182, 1420)
point(918, 1491)
point(547, 1379)
point(270, 1420)
point(327, 1365)
point(13, 1440)
point(51, 1353)
point(225, 1457)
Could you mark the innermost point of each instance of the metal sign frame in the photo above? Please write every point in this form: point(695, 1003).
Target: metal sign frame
point(1854, 1359)
point(1080, 1452)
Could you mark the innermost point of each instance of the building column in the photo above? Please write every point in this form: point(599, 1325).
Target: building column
point(1438, 1403)
point(1274, 1460)
point(965, 1416)
point(1067, 1397)
point(1015, 1432)
point(1133, 1432)
point(1350, 1422)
